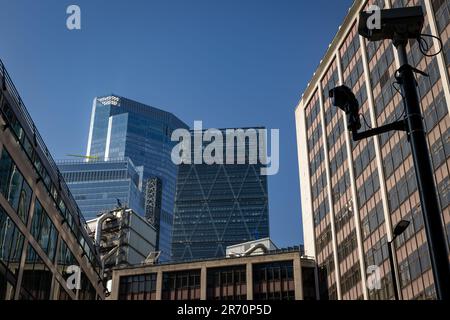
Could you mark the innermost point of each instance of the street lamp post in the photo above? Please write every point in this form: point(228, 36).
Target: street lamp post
point(398, 230)
point(401, 25)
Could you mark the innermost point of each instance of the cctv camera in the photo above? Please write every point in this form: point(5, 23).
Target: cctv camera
point(344, 99)
point(394, 24)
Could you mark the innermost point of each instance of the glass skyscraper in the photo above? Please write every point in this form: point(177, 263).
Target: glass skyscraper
point(100, 186)
point(121, 128)
point(218, 205)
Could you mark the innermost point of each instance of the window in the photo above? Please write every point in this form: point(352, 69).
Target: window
point(13, 186)
point(65, 259)
point(11, 245)
point(183, 285)
point(37, 277)
point(138, 287)
point(273, 281)
point(44, 231)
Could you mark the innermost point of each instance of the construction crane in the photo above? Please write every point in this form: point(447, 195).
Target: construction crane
point(84, 157)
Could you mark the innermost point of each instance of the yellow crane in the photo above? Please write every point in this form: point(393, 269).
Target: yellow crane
point(84, 157)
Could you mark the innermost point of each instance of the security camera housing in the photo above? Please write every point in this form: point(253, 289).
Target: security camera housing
point(344, 99)
point(395, 24)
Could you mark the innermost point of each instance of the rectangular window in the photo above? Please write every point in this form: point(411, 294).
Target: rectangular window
point(44, 231)
point(14, 187)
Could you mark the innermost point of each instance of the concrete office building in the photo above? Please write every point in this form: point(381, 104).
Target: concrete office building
point(121, 128)
point(354, 193)
point(42, 231)
point(273, 275)
point(219, 205)
point(99, 186)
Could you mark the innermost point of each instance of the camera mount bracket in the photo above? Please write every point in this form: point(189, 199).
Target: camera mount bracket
point(399, 125)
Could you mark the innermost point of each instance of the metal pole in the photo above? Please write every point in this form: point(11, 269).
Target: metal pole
point(393, 274)
point(432, 217)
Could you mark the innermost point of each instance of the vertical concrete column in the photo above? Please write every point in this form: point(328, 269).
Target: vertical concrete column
point(159, 278)
point(203, 283)
point(298, 278)
point(354, 200)
point(444, 76)
point(337, 271)
point(115, 286)
point(249, 277)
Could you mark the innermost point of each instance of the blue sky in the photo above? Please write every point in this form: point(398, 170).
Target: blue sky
point(233, 63)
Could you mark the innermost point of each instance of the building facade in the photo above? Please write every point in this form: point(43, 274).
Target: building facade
point(43, 237)
point(219, 205)
point(354, 193)
point(100, 186)
point(283, 275)
point(122, 128)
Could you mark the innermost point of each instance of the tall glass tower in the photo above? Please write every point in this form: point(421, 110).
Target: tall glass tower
point(217, 206)
point(121, 128)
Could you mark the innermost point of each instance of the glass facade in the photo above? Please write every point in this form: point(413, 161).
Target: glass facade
point(99, 186)
point(357, 191)
point(228, 283)
point(138, 287)
point(124, 128)
point(219, 205)
point(37, 212)
point(274, 281)
point(181, 285)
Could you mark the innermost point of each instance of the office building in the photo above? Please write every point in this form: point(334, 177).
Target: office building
point(354, 193)
point(100, 186)
point(43, 237)
point(219, 205)
point(271, 275)
point(122, 128)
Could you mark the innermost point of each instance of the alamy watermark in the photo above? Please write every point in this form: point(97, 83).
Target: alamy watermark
point(373, 278)
point(73, 21)
point(374, 21)
point(74, 280)
point(228, 146)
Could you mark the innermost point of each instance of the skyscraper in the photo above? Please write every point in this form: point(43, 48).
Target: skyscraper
point(121, 128)
point(100, 186)
point(218, 205)
point(354, 193)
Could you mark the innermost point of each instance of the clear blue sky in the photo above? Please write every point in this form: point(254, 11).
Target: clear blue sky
point(230, 63)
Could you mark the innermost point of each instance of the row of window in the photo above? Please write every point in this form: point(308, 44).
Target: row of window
point(396, 156)
point(72, 219)
point(343, 216)
point(373, 220)
point(350, 278)
point(139, 287)
point(368, 188)
point(366, 156)
point(323, 239)
point(378, 253)
point(350, 52)
point(321, 211)
point(347, 246)
point(404, 187)
point(414, 265)
point(14, 187)
point(338, 160)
